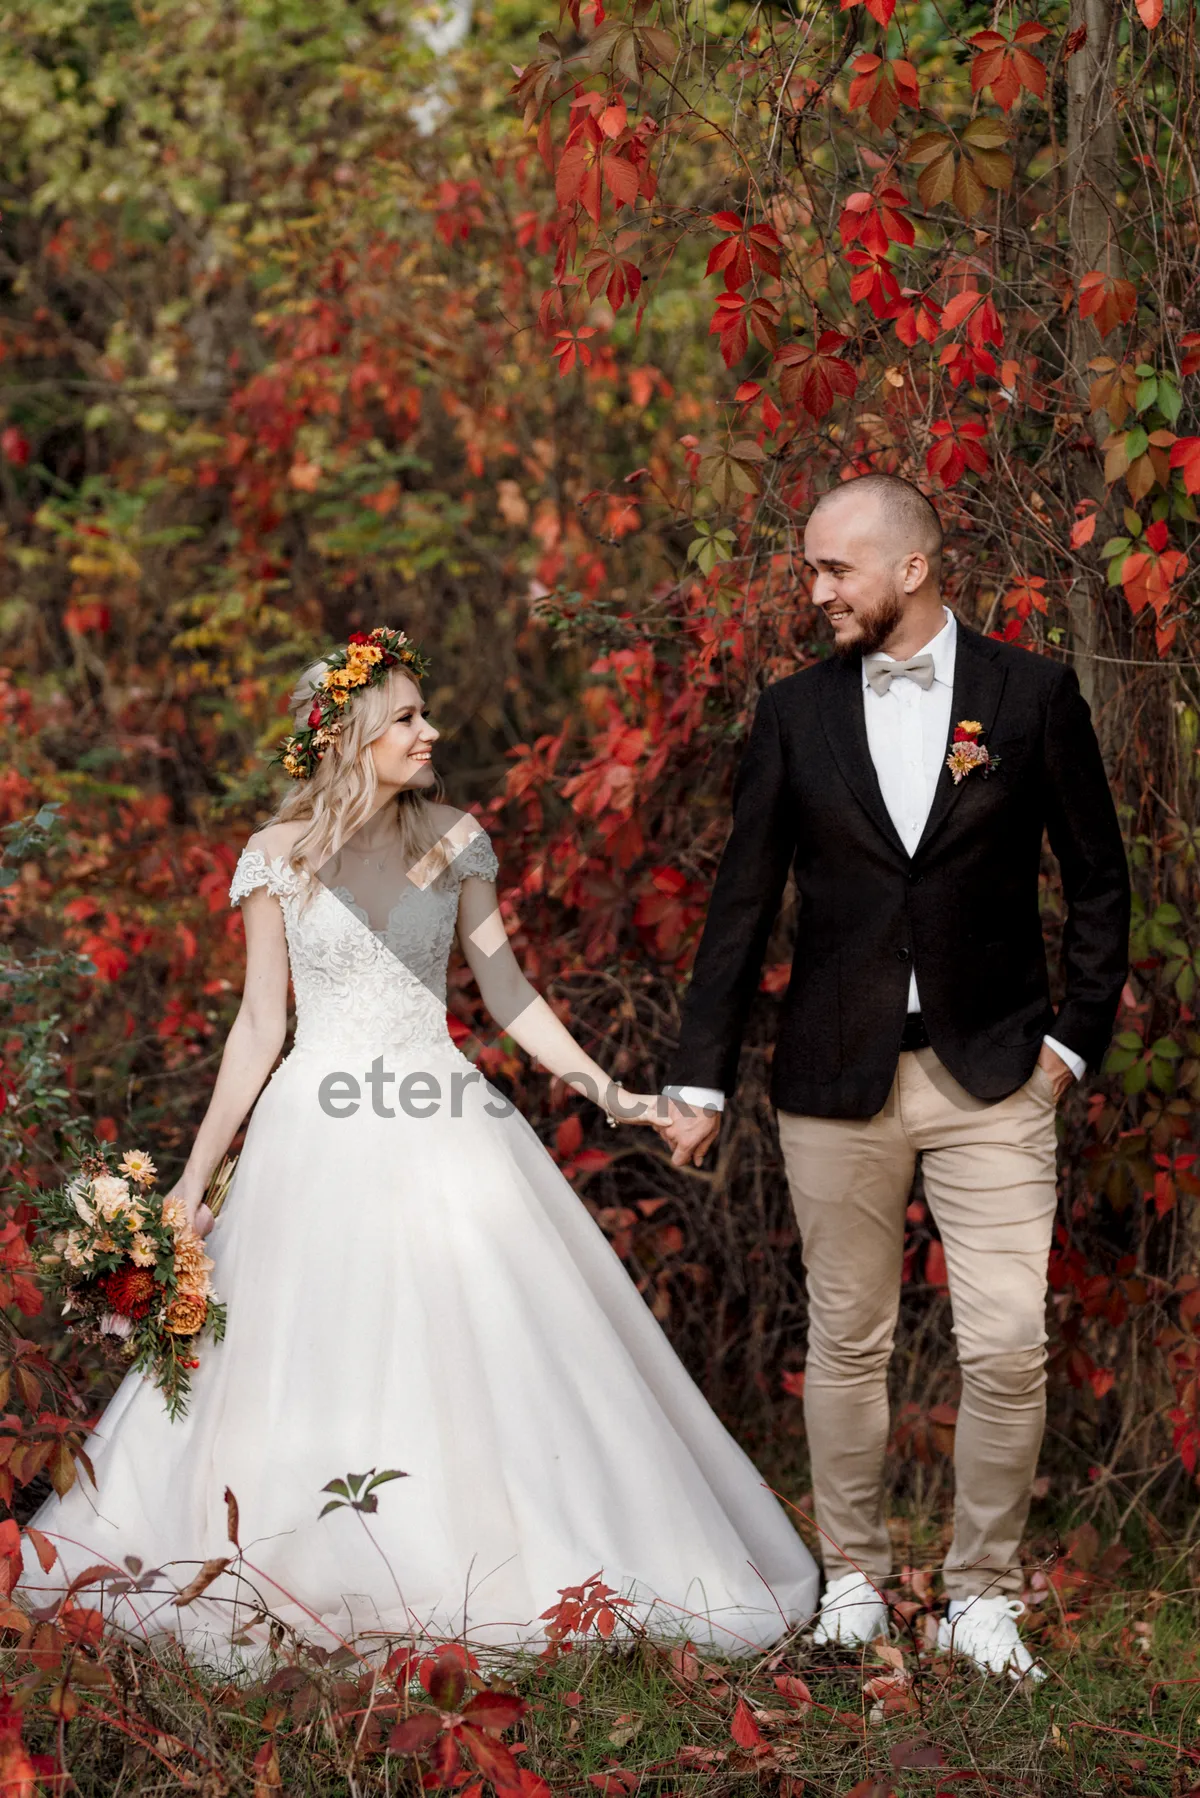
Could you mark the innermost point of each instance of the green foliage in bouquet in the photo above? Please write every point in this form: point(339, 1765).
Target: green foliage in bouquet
point(131, 1272)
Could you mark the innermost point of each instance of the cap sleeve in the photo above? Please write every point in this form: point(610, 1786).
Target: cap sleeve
point(478, 857)
point(254, 870)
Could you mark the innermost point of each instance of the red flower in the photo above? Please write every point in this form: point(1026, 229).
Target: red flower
point(129, 1290)
point(359, 637)
point(314, 717)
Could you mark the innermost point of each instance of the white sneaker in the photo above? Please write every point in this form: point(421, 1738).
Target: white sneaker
point(852, 1613)
point(985, 1631)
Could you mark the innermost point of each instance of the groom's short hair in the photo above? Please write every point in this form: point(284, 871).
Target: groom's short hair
point(910, 516)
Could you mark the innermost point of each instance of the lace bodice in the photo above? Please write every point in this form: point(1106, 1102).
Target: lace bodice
point(370, 991)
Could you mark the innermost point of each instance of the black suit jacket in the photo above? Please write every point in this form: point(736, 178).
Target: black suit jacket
point(963, 908)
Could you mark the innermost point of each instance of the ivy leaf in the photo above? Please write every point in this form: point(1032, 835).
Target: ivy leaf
point(962, 172)
point(811, 378)
point(1006, 66)
point(880, 10)
point(883, 87)
point(1108, 299)
point(1185, 455)
point(732, 468)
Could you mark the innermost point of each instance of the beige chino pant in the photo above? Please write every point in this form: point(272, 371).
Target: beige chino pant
point(990, 1184)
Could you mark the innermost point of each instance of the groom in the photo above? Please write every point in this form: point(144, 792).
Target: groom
point(906, 782)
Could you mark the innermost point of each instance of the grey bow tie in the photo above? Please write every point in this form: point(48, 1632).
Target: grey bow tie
point(918, 668)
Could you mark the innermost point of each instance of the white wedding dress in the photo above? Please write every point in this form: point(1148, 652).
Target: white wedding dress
point(423, 1293)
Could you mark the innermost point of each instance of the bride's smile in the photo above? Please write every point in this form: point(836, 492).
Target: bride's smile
point(403, 755)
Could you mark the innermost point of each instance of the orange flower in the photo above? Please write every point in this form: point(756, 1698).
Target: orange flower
point(186, 1314)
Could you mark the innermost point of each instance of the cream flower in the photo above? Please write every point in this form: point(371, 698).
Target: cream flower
point(112, 1196)
point(142, 1251)
point(76, 1253)
point(79, 1192)
point(174, 1214)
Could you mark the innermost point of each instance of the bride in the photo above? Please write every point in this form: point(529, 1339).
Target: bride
point(412, 1284)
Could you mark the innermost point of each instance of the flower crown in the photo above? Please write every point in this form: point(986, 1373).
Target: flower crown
point(364, 662)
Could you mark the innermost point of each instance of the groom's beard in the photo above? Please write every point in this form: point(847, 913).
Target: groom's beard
point(874, 628)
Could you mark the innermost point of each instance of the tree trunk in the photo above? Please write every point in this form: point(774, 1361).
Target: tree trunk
point(1092, 225)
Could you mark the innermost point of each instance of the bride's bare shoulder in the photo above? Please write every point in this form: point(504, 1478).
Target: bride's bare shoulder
point(276, 840)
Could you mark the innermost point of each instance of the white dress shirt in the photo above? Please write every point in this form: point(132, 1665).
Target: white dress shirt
point(907, 731)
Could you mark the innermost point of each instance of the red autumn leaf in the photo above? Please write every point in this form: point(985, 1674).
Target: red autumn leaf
point(883, 87)
point(1185, 455)
point(955, 449)
point(744, 1729)
point(14, 446)
point(1027, 595)
point(1108, 299)
point(569, 345)
point(448, 1677)
point(793, 1688)
point(45, 1550)
point(811, 378)
point(1148, 579)
point(935, 1267)
point(792, 1382)
point(1150, 12)
point(415, 1734)
point(621, 179)
point(733, 314)
point(915, 316)
point(1006, 67)
point(10, 1555)
point(613, 120)
point(876, 220)
point(569, 1136)
point(496, 1711)
point(492, 1758)
point(743, 248)
point(880, 10)
point(1083, 531)
point(619, 278)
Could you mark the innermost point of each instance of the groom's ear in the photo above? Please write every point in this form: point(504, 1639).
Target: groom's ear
point(915, 572)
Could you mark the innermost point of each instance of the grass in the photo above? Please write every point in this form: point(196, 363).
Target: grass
point(1120, 1712)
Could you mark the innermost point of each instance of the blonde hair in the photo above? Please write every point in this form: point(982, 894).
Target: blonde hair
point(340, 794)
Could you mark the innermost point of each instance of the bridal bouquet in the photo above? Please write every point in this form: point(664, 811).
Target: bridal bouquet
point(129, 1269)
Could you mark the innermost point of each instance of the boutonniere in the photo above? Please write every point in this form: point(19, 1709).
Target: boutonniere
point(967, 752)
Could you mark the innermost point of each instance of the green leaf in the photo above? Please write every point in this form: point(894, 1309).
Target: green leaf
point(392, 1473)
point(1137, 442)
point(1170, 400)
point(1116, 546)
point(1147, 393)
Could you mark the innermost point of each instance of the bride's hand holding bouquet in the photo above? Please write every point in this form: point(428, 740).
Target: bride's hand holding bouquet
point(130, 1268)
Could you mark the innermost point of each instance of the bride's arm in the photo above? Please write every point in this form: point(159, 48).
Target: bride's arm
point(520, 1011)
point(251, 1048)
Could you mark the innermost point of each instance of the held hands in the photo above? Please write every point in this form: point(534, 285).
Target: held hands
point(688, 1132)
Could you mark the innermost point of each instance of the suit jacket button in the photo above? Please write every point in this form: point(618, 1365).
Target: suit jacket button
point(904, 955)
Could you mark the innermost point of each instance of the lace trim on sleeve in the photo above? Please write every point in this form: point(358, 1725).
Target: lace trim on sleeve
point(478, 857)
point(254, 870)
